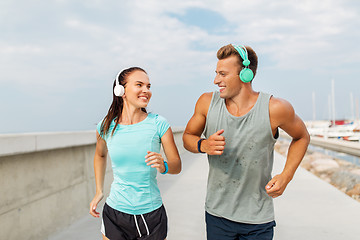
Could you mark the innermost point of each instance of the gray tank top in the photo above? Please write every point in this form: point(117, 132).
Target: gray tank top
point(237, 178)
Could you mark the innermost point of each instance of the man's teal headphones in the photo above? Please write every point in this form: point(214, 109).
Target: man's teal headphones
point(246, 74)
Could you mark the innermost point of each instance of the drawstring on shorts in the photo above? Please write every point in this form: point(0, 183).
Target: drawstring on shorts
point(137, 225)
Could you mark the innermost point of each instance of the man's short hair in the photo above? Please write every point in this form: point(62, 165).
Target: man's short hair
point(229, 50)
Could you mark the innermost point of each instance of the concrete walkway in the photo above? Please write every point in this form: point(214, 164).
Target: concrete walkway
point(309, 209)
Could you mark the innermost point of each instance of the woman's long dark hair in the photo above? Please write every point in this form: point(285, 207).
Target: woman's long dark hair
point(117, 104)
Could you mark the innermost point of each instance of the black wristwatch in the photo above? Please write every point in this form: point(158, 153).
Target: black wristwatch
point(199, 144)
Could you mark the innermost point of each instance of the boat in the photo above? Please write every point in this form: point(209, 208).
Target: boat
point(340, 129)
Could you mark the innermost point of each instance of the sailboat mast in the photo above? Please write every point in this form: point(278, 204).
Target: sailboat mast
point(314, 107)
point(333, 100)
point(329, 107)
point(357, 109)
point(352, 106)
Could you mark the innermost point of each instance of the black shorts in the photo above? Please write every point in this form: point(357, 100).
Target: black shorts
point(122, 226)
point(224, 229)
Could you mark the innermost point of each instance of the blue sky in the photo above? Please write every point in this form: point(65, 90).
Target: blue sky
point(58, 58)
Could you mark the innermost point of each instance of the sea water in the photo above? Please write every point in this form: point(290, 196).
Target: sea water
point(347, 157)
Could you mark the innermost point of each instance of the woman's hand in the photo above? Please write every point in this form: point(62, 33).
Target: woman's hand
point(94, 203)
point(155, 160)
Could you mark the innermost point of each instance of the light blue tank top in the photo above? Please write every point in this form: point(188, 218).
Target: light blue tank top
point(134, 189)
point(237, 178)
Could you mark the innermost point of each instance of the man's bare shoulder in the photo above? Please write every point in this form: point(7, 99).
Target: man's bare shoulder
point(282, 114)
point(279, 104)
point(280, 109)
point(203, 103)
point(205, 97)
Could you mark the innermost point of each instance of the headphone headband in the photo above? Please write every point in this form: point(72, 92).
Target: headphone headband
point(117, 78)
point(246, 74)
point(118, 89)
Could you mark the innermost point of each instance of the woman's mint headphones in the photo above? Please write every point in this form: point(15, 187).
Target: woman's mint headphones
point(246, 74)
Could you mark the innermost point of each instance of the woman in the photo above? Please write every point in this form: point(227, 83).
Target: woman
point(133, 209)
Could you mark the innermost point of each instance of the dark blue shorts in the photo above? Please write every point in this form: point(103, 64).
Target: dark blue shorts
point(218, 228)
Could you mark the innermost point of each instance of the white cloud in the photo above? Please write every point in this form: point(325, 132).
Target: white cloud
point(290, 31)
point(15, 49)
point(74, 45)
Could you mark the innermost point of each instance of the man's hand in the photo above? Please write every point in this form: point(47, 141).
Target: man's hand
point(215, 144)
point(277, 185)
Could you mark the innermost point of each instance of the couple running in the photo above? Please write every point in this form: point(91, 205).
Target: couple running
point(240, 127)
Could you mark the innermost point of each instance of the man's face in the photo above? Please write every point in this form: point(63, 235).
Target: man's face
point(227, 77)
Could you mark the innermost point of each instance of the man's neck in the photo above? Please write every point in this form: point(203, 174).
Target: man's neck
point(242, 103)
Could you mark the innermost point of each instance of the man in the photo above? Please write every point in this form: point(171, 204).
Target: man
point(241, 128)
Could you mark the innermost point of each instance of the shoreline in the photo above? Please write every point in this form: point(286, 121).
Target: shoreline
point(343, 175)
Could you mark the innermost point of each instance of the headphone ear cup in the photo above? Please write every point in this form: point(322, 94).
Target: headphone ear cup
point(246, 75)
point(119, 90)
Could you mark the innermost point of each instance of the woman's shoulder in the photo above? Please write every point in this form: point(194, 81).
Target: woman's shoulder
point(161, 124)
point(156, 117)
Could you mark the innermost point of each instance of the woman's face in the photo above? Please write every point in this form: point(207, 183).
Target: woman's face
point(137, 89)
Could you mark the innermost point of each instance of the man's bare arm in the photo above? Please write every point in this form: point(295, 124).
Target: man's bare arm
point(215, 144)
point(282, 115)
point(196, 124)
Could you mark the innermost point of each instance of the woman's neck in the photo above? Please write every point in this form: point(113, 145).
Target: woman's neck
point(131, 115)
